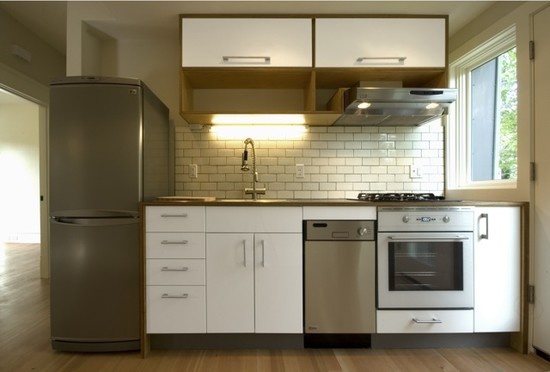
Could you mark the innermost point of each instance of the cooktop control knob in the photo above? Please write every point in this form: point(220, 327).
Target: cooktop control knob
point(446, 219)
point(405, 218)
point(362, 231)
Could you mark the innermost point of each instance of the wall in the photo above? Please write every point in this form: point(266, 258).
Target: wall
point(156, 62)
point(19, 169)
point(339, 162)
point(46, 63)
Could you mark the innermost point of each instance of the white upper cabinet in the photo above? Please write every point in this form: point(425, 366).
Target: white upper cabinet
point(246, 42)
point(380, 42)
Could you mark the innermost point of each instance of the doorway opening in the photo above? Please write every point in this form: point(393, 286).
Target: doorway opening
point(20, 170)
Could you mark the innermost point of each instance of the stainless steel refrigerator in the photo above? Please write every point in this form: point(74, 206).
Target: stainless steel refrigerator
point(108, 150)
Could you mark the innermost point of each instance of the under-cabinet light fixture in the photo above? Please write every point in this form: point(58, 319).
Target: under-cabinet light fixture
point(432, 105)
point(260, 132)
point(271, 119)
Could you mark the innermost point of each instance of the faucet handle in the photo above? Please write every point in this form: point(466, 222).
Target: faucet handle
point(259, 190)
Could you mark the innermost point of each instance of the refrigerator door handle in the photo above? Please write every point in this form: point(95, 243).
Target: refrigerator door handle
point(95, 221)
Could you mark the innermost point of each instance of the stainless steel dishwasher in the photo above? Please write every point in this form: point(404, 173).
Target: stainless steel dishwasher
point(339, 291)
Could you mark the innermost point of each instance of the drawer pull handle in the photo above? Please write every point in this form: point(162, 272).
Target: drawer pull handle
point(166, 268)
point(381, 60)
point(247, 59)
point(433, 320)
point(169, 215)
point(183, 295)
point(166, 242)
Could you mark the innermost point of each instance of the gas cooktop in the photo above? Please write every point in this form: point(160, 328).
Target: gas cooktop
point(398, 197)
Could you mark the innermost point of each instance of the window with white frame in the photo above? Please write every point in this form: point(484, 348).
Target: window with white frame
point(482, 131)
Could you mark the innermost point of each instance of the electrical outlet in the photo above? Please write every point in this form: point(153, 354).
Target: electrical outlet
point(193, 171)
point(300, 171)
point(415, 171)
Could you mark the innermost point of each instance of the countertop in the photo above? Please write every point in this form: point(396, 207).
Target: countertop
point(208, 201)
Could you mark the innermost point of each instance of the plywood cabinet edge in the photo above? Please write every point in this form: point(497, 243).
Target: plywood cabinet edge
point(519, 340)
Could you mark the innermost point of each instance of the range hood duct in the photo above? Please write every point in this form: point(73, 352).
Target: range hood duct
point(394, 106)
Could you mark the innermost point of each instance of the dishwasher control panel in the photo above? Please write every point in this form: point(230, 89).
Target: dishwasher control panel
point(340, 230)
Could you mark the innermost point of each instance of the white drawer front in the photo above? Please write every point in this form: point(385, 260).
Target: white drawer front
point(175, 272)
point(254, 219)
point(175, 245)
point(174, 219)
point(176, 309)
point(425, 321)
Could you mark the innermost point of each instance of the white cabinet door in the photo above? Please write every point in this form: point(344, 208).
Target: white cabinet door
point(380, 42)
point(497, 259)
point(230, 283)
point(278, 283)
point(248, 42)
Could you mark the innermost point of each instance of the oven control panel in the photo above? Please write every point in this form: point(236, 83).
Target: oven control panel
point(426, 219)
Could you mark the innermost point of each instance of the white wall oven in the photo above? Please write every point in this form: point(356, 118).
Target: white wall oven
point(425, 258)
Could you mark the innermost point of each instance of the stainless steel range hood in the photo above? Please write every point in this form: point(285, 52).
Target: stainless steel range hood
point(394, 106)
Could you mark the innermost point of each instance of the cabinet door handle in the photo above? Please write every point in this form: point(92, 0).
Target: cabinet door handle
point(434, 320)
point(381, 60)
point(167, 242)
point(170, 215)
point(251, 60)
point(486, 217)
point(183, 295)
point(166, 268)
point(244, 252)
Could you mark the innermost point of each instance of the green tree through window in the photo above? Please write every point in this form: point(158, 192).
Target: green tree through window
point(493, 119)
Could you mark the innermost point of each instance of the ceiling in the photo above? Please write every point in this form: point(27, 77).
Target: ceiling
point(147, 19)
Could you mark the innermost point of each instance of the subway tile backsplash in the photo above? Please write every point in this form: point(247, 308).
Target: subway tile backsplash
point(339, 162)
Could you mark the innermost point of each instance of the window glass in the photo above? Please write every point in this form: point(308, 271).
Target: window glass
point(494, 119)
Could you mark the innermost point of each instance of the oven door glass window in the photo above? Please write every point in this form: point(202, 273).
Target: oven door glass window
point(426, 266)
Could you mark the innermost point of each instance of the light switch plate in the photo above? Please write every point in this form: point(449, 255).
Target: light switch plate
point(300, 171)
point(415, 171)
point(193, 171)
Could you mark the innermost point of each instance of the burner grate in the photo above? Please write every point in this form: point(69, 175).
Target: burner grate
point(398, 197)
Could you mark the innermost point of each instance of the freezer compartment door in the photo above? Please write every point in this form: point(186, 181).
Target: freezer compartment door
point(94, 283)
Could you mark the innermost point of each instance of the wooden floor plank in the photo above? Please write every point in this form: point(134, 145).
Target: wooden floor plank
point(25, 344)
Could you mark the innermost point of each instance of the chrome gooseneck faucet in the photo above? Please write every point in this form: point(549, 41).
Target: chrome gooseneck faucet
point(245, 168)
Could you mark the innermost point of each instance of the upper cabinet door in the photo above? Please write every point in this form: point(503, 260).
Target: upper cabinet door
point(246, 42)
point(380, 42)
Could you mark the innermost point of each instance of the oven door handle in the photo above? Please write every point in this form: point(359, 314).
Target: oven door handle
point(424, 239)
